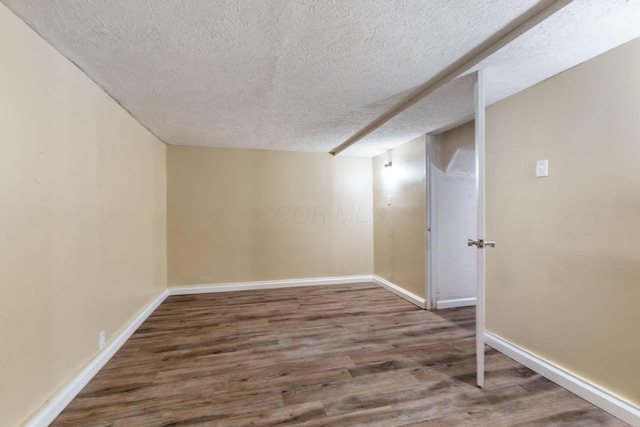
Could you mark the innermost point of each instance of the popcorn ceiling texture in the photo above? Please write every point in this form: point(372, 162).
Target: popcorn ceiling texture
point(578, 32)
point(306, 75)
point(445, 105)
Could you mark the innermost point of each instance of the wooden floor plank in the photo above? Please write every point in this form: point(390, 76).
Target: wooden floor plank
point(352, 355)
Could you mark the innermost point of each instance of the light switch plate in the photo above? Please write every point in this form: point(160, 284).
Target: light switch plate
point(542, 168)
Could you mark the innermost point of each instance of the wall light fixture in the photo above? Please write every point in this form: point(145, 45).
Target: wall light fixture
point(388, 177)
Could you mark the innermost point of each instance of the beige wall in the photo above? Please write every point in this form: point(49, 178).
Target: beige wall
point(564, 279)
point(82, 214)
point(249, 215)
point(400, 229)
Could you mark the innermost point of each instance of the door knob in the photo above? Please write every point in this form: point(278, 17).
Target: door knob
point(480, 243)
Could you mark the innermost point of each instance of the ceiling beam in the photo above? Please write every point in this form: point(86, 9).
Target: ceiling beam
point(502, 38)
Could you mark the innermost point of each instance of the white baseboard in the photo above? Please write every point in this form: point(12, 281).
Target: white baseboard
point(615, 405)
point(412, 298)
point(56, 403)
point(456, 302)
point(271, 284)
point(274, 284)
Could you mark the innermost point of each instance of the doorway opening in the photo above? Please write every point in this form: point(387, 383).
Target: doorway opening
point(453, 214)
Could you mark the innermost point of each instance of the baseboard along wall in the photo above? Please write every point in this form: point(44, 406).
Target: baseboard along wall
point(456, 302)
point(409, 296)
point(270, 284)
point(590, 392)
point(56, 403)
point(274, 284)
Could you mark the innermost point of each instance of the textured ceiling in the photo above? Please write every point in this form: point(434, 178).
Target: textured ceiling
point(578, 32)
point(448, 104)
point(307, 75)
point(581, 30)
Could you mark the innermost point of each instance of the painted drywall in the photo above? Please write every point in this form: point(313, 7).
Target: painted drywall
point(455, 217)
point(564, 279)
point(247, 215)
point(400, 228)
point(82, 208)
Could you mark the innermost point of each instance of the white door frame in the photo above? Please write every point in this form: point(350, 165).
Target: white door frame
point(430, 189)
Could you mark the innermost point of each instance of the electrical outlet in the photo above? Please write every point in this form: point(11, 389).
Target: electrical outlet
point(102, 339)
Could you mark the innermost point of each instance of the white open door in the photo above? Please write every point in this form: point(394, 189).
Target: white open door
point(481, 243)
point(433, 249)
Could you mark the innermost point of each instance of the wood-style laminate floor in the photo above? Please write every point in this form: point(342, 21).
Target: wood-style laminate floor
point(316, 356)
